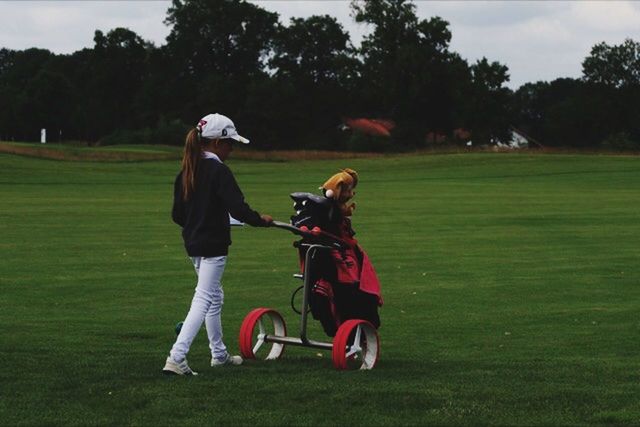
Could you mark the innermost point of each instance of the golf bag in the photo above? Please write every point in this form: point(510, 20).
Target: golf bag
point(345, 285)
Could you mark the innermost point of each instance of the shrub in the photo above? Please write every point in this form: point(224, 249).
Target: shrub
point(165, 133)
point(120, 137)
point(620, 141)
point(169, 133)
point(360, 142)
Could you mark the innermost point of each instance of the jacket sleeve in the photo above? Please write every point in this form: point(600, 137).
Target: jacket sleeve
point(177, 213)
point(230, 193)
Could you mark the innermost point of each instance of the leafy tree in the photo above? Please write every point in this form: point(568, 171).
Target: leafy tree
point(573, 120)
point(217, 48)
point(6, 93)
point(118, 69)
point(6, 60)
point(289, 85)
point(617, 66)
point(395, 52)
point(227, 37)
point(489, 116)
point(408, 73)
point(314, 49)
point(313, 71)
point(616, 70)
point(18, 116)
point(567, 112)
point(50, 102)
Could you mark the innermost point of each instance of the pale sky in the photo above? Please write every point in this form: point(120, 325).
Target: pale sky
point(537, 40)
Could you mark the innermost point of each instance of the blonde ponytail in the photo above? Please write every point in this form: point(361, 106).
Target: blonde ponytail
point(190, 159)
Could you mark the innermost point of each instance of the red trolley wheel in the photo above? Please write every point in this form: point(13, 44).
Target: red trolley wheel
point(252, 343)
point(356, 345)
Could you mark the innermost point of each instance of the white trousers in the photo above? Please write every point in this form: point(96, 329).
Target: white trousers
point(206, 307)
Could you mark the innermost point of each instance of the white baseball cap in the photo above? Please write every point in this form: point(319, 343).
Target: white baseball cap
point(217, 126)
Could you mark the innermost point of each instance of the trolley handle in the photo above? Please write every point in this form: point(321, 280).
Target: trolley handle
point(332, 240)
point(291, 228)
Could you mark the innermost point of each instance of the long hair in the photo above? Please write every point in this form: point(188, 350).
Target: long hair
point(190, 159)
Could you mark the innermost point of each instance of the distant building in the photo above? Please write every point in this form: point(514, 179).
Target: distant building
point(373, 127)
point(462, 135)
point(435, 138)
point(519, 139)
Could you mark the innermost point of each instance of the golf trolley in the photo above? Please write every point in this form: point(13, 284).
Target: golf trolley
point(263, 334)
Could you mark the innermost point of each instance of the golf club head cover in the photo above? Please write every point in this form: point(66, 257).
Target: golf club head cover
point(337, 188)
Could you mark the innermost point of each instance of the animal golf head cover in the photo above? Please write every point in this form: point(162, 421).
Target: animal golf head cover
point(340, 187)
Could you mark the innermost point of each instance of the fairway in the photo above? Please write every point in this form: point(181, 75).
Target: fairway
point(511, 288)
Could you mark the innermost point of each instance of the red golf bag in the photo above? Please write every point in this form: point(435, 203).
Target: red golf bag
point(345, 285)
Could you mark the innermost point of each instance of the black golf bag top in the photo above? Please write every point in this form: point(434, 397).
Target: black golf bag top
point(345, 285)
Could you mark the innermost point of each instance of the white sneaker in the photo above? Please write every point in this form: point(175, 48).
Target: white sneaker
point(174, 368)
point(227, 360)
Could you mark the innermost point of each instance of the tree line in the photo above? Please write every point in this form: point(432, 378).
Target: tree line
point(292, 85)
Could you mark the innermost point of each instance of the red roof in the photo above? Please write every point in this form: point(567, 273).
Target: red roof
point(375, 127)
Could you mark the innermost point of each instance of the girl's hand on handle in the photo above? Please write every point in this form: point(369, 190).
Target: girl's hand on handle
point(267, 219)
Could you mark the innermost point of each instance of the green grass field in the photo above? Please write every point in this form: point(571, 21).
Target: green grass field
point(511, 286)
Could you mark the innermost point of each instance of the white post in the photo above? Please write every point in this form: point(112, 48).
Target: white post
point(43, 136)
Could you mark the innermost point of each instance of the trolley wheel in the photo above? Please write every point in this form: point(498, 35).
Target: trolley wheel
point(252, 343)
point(356, 345)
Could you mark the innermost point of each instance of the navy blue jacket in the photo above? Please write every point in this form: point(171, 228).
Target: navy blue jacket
point(204, 218)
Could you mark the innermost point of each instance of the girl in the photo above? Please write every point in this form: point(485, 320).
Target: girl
point(205, 194)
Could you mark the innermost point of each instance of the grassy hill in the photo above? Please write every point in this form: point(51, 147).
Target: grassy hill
point(510, 284)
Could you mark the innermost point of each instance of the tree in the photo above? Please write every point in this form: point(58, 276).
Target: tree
point(314, 49)
point(313, 69)
point(19, 115)
point(399, 49)
point(489, 116)
point(216, 48)
point(112, 77)
point(567, 112)
point(615, 70)
point(6, 60)
point(6, 91)
point(408, 73)
point(50, 101)
point(617, 66)
point(227, 37)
